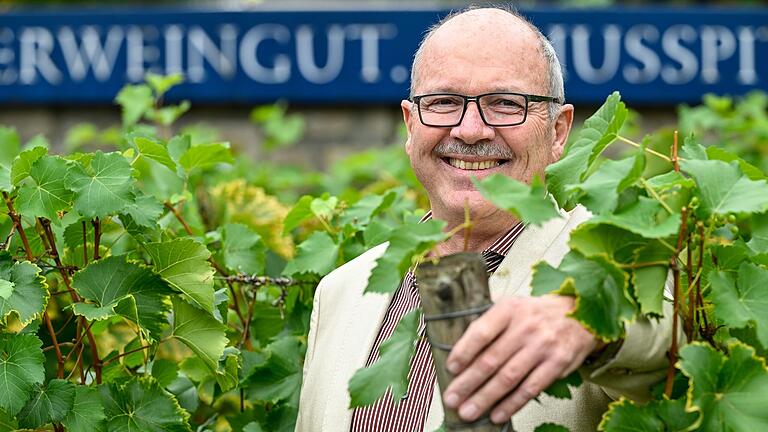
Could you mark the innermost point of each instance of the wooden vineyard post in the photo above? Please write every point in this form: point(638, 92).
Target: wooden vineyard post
point(454, 291)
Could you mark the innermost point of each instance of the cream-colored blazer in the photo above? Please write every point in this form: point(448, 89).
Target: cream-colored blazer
point(345, 323)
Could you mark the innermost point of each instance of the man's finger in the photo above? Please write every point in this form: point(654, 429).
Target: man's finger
point(479, 334)
point(484, 366)
point(508, 377)
point(538, 380)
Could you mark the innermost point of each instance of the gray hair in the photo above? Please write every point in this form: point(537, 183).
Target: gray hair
point(556, 87)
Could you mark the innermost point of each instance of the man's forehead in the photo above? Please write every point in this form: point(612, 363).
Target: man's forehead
point(484, 38)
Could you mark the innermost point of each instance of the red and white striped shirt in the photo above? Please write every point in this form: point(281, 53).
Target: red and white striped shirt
point(411, 412)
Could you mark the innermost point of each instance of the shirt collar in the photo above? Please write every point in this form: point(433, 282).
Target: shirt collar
point(502, 244)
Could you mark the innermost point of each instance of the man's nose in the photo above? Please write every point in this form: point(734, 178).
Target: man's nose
point(472, 127)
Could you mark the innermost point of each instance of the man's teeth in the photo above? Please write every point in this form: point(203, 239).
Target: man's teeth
point(458, 163)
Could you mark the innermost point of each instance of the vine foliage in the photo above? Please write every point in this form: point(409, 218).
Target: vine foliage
point(149, 285)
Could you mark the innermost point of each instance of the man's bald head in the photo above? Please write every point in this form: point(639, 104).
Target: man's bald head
point(493, 26)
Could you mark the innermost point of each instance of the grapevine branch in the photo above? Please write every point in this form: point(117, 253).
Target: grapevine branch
point(650, 151)
point(676, 277)
point(30, 256)
point(96, 237)
point(85, 245)
point(46, 224)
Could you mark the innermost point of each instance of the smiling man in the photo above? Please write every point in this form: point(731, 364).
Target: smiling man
point(486, 97)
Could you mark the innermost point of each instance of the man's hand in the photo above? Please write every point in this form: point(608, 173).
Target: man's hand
point(512, 353)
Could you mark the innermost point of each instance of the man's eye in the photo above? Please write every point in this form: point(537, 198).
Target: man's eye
point(445, 102)
point(508, 103)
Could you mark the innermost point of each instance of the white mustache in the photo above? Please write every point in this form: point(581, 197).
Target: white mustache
point(480, 149)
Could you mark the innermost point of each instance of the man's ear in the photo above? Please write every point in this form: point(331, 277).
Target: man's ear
point(562, 128)
point(406, 107)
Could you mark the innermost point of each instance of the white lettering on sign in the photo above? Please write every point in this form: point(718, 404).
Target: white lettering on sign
point(90, 53)
point(35, 47)
point(142, 52)
point(679, 55)
point(273, 54)
point(642, 53)
point(280, 69)
point(582, 58)
point(201, 49)
point(305, 54)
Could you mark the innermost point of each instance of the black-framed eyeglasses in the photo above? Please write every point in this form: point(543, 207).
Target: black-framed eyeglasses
point(496, 109)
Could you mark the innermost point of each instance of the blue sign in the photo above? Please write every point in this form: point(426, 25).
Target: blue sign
point(650, 55)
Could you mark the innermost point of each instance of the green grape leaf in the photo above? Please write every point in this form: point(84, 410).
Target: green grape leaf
point(201, 332)
point(317, 254)
point(178, 145)
point(167, 115)
point(135, 101)
point(50, 404)
point(162, 83)
point(670, 180)
point(561, 388)
point(279, 378)
point(324, 206)
point(529, 203)
point(87, 413)
point(104, 187)
point(243, 250)
point(148, 309)
point(603, 304)
point(360, 213)
point(607, 240)
point(50, 193)
point(551, 427)
point(391, 369)
point(73, 234)
point(730, 392)
point(27, 289)
point(298, 214)
point(145, 211)
point(7, 422)
point(10, 145)
point(6, 289)
point(759, 242)
point(658, 415)
point(724, 189)
point(5, 179)
point(108, 282)
point(692, 150)
point(252, 427)
point(21, 368)
point(645, 217)
point(206, 156)
point(649, 281)
point(22, 166)
point(405, 242)
point(186, 393)
point(165, 371)
point(600, 191)
point(598, 132)
point(742, 301)
point(142, 406)
point(183, 263)
point(377, 232)
point(752, 172)
point(152, 148)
